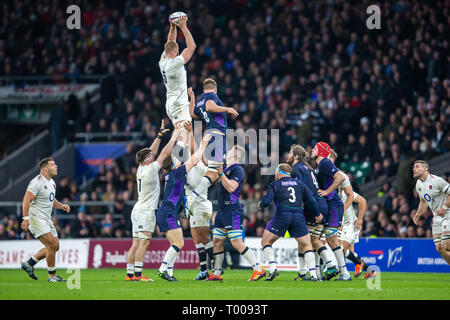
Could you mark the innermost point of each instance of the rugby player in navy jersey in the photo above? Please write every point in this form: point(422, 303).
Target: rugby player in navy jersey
point(289, 194)
point(303, 171)
point(213, 114)
point(167, 215)
point(229, 218)
point(329, 178)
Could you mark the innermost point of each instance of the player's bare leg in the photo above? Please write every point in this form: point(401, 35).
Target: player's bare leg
point(175, 237)
point(51, 244)
point(237, 242)
point(268, 239)
point(131, 259)
point(443, 246)
point(200, 236)
point(305, 246)
point(140, 256)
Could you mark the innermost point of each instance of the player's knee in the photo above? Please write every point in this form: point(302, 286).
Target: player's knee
point(53, 245)
point(179, 243)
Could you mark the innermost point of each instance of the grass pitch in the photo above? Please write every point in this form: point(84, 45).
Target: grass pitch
point(109, 284)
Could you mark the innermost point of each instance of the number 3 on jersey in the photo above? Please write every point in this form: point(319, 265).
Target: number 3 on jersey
point(292, 191)
point(164, 77)
point(139, 184)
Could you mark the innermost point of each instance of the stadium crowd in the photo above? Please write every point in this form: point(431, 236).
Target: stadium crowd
point(312, 69)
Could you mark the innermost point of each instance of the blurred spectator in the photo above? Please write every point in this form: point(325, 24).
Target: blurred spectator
point(81, 227)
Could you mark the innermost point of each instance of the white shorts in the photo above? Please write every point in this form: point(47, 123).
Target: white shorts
point(177, 112)
point(349, 233)
point(40, 226)
point(202, 214)
point(441, 224)
point(143, 220)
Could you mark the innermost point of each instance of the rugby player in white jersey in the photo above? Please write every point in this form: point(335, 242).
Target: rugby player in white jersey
point(434, 192)
point(37, 208)
point(348, 234)
point(174, 76)
point(143, 215)
point(200, 220)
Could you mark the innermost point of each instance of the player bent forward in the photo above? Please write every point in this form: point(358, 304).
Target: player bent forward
point(434, 192)
point(200, 220)
point(167, 215)
point(37, 208)
point(289, 194)
point(143, 215)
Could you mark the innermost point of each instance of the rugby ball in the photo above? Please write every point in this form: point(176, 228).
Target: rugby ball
point(174, 17)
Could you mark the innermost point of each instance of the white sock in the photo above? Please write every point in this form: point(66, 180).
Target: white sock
point(310, 263)
point(138, 266)
point(169, 259)
point(317, 258)
point(325, 254)
point(301, 263)
point(250, 258)
point(339, 254)
point(269, 256)
point(218, 262)
point(130, 268)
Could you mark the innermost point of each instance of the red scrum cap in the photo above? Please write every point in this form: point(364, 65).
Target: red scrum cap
point(323, 149)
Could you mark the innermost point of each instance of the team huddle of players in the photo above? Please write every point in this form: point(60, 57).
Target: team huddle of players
point(313, 198)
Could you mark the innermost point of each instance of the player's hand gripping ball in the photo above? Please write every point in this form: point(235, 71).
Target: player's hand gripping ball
point(175, 17)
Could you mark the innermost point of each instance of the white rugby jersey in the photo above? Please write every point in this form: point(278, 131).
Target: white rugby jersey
point(349, 214)
point(44, 191)
point(147, 179)
point(193, 178)
point(175, 79)
point(434, 190)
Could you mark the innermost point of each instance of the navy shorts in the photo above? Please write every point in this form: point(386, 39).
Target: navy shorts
point(335, 214)
point(229, 219)
point(167, 219)
point(323, 209)
point(216, 149)
point(294, 222)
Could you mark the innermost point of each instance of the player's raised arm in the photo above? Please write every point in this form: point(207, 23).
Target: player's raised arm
point(197, 156)
point(229, 184)
point(172, 35)
point(169, 147)
point(192, 103)
point(190, 43)
point(155, 145)
point(362, 204)
point(211, 106)
point(338, 179)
